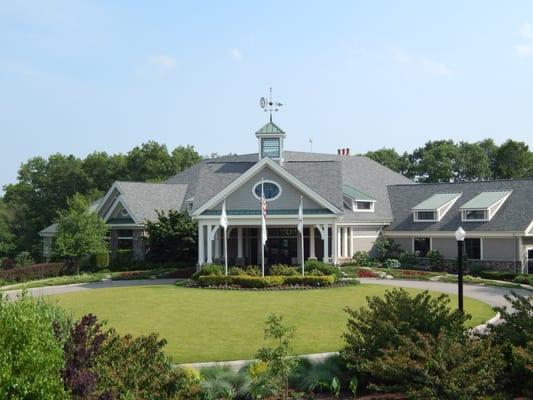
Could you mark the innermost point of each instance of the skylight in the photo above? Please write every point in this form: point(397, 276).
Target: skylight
point(484, 206)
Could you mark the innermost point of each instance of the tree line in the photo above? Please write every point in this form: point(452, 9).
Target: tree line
point(447, 161)
point(44, 186)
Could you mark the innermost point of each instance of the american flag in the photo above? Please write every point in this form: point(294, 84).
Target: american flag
point(263, 216)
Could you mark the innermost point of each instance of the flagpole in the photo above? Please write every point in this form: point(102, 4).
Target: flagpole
point(262, 230)
point(226, 251)
point(302, 234)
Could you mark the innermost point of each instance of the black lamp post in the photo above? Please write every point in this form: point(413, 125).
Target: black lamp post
point(460, 237)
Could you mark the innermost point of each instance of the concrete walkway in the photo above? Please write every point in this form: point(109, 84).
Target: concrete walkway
point(493, 296)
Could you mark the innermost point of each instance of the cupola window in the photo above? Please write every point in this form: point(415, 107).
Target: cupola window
point(270, 147)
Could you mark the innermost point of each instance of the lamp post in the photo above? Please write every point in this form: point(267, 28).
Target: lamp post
point(460, 237)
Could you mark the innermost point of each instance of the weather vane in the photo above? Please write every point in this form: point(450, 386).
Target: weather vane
point(269, 105)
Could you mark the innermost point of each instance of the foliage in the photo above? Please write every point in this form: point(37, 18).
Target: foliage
point(278, 357)
point(283, 270)
point(362, 258)
point(438, 367)
point(366, 273)
point(435, 259)
point(248, 281)
point(387, 319)
point(391, 263)
point(172, 237)
point(100, 260)
point(386, 248)
point(513, 160)
point(315, 267)
point(209, 269)
point(224, 383)
point(497, 275)
point(122, 259)
point(184, 157)
point(163, 273)
point(317, 376)
point(435, 162)
point(237, 271)
point(524, 279)
point(310, 280)
point(23, 259)
point(36, 271)
point(391, 159)
point(7, 239)
point(407, 259)
point(31, 355)
point(80, 231)
point(253, 270)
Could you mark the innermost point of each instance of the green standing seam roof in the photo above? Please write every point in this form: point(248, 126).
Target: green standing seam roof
point(484, 200)
point(270, 128)
point(436, 201)
point(356, 194)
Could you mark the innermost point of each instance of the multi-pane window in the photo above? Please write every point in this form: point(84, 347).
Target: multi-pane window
point(422, 246)
point(475, 215)
point(270, 147)
point(270, 190)
point(425, 215)
point(364, 205)
point(473, 248)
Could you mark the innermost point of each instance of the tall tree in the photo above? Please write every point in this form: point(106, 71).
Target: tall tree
point(102, 169)
point(473, 163)
point(7, 239)
point(80, 231)
point(150, 162)
point(185, 157)
point(513, 160)
point(436, 161)
point(490, 148)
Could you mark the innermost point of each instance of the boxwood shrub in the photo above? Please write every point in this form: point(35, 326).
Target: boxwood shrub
point(259, 282)
point(308, 280)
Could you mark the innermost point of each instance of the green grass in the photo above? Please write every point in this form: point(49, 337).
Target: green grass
point(215, 325)
point(60, 280)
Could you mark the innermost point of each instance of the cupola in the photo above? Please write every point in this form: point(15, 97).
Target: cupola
point(270, 139)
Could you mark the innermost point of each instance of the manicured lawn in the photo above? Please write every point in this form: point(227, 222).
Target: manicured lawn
point(215, 325)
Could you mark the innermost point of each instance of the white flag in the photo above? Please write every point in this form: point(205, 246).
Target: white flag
point(263, 217)
point(301, 217)
point(223, 216)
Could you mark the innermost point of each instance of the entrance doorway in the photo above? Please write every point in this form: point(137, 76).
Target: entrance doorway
point(281, 246)
point(529, 261)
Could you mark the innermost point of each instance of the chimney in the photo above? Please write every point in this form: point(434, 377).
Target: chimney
point(339, 152)
point(347, 151)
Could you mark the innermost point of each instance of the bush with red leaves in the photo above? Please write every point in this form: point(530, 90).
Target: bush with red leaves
point(366, 273)
point(36, 271)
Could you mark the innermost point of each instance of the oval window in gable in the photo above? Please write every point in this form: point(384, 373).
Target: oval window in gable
point(271, 190)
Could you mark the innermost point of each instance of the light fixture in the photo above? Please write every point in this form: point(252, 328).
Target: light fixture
point(460, 234)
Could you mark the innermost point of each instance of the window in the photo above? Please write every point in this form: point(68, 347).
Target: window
point(270, 147)
point(473, 249)
point(271, 190)
point(474, 215)
point(189, 206)
point(364, 205)
point(124, 212)
point(425, 216)
point(421, 246)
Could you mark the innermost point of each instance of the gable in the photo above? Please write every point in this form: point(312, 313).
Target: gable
point(289, 199)
point(119, 214)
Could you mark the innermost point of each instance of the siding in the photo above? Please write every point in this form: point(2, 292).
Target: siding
point(405, 243)
point(364, 244)
point(243, 198)
point(446, 246)
point(499, 250)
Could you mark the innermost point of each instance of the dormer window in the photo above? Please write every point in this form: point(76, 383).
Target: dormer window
point(484, 206)
point(270, 147)
point(363, 205)
point(357, 200)
point(435, 207)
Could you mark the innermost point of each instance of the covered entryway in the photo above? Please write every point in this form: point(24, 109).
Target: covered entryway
point(529, 261)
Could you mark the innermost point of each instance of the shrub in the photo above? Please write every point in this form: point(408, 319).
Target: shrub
point(180, 273)
point(100, 260)
point(8, 263)
point(253, 270)
point(391, 263)
point(24, 259)
point(524, 279)
point(237, 271)
point(31, 354)
point(441, 367)
point(475, 269)
point(257, 281)
point(497, 275)
point(214, 280)
point(209, 269)
point(316, 376)
point(121, 258)
point(36, 271)
point(435, 259)
point(379, 326)
point(224, 383)
point(361, 258)
point(386, 248)
point(309, 280)
point(407, 260)
point(320, 268)
point(366, 273)
point(282, 270)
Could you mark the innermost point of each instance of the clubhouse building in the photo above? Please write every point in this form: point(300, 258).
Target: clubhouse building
point(348, 202)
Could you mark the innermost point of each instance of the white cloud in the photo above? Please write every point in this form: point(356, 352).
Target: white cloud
point(527, 31)
point(524, 50)
point(163, 61)
point(434, 67)
point(235, 53)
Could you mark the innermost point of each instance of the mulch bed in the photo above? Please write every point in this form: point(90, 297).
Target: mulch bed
point(295, 287)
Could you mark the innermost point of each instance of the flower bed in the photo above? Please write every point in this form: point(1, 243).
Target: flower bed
point(258, 282)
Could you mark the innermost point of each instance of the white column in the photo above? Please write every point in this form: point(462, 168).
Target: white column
point(350, 242)
point(325, 238)
point(312, 242)
point(201, 256)
point(239, 242)
point(345, 242)
point(335, 243)
point(218, 239)
point(209, 244)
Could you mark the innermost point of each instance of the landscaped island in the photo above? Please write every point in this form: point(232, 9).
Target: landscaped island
point(211, 325)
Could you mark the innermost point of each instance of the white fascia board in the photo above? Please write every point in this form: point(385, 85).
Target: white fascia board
point(271, 221)
point(529, 230)
point(451, 234)
point(107, 195)
point(120, 200)
point(254, 170)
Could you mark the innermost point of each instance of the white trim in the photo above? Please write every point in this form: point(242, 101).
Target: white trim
point(120, 200)
point(439, 213)
point(529, 230)
point(488, 211)
point(365, 236)
point(422, 237)
point(435, 213)
point(267, 181)
point(361, 210)
point(114, 186)
point(450, 234)
point(256, 169)
point(525, 259)
point(481, 249)
point(486, 219)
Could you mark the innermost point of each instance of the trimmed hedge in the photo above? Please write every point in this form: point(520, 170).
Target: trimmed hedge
point(36, 271)
point(257, 282)
point(182, 273)
point(497, 275)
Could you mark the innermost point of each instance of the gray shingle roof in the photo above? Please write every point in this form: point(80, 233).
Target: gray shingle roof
point(143, 199)
point(515, 214)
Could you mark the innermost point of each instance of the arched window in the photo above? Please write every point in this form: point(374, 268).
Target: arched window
point(271, 190)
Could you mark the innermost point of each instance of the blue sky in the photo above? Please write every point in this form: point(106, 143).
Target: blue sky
point(79, 76)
